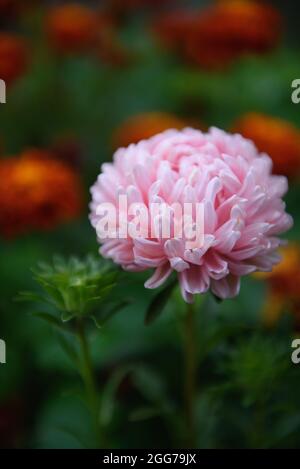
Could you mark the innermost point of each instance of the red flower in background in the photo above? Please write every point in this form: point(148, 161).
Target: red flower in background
point(72, 27)
point(232, 29)
point(37, 192)
point(145, 125)
point(283, 293)
point(13, 57)
point(216, 36)
point(277, 137)
point(172, 27)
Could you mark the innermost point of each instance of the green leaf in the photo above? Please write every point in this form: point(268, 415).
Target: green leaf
point(108, 398)
point(34, 297)
point(144, 413)
point(158, 304)
point(150, 384)
point(69, 348)
point(67, 316)
point(29, 296)
point(53, 320)
point(217, 299)
point(108, 312)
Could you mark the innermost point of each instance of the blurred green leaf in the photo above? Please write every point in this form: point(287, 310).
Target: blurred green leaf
point(108, 311)
point(69, 348)
point(108, 397)
point(50, 319)
point(144, 413)
point(158, 303)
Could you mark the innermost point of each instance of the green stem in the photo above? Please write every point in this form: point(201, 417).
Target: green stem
point(88, 378)
point(190, 375)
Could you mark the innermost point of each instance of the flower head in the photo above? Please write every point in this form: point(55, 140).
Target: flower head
point(277, 137)
point(37, 192)
point(243, 209)
point(217, 35)
point(13, 57)
point(72, 28)
point(75, 28)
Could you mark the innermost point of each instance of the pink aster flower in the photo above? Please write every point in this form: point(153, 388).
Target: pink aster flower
point(243, 208)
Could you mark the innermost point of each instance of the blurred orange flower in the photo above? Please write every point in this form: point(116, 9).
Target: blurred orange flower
point(13, 57)
point(283, 287)
point(143, 126)
point(174, 26)
point(217, 35)
point(72, 27)
point(36, 192)
point(277, 137)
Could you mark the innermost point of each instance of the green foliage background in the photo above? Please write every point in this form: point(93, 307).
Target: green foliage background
point(248, 388)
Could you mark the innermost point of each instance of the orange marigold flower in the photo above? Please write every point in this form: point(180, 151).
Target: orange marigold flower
point(72, 27)
point(229, 30)
point(283, 287)
point(217, 35)
point(13, 57)
point(36, 192)
point(143, 126)
point(277, 137)
point(172, 27)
